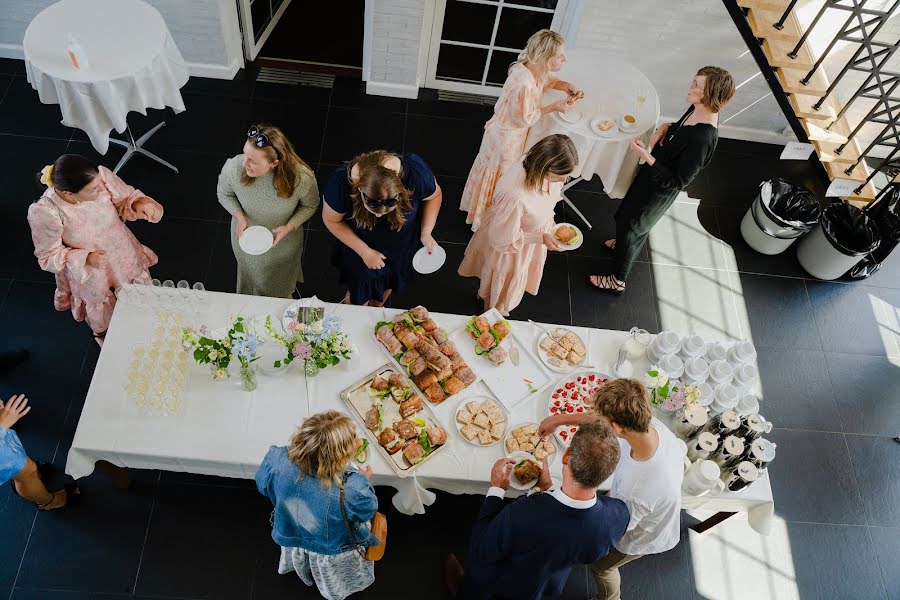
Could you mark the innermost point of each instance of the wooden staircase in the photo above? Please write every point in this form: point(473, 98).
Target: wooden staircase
point(827, 131)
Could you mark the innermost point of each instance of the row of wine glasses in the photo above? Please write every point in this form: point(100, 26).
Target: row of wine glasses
point(164, 295)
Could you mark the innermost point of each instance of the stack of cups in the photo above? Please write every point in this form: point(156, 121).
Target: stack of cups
point(665, 343)
point(725, 398)
point(741, 353)
point(696, 370)
point(747, 405)
point(745, 375)
point(692, 346)
point(707, 394)
point(672, 365)
point(720, 372)
point(715, 352)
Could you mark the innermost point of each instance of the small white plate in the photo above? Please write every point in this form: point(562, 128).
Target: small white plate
point(574, 245)
point(573, 116)
point(518, 456)
point(425, 263)
point(256, 240)
point(462, 406)
point(609, 133)
point(565, 366)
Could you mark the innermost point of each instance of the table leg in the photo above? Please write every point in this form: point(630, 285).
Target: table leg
point(136, 146)
point(712, 521)
point(118, 475)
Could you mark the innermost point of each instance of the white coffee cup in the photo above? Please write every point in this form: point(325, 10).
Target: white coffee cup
point(691, 346)
point(747, 405)
point(672, 365)
point(720, 371)
point(745, 375)
point(715, 351)
point(696, 370)
point(725, 398)
point(707, 394)
point(666, 342)
point(742, 352)
point(702, 477)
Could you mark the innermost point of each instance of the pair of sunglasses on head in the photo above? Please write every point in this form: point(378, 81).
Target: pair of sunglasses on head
point(259, 139)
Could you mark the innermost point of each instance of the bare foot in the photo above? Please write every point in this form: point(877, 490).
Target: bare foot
point(58, 499)
point(611, 244)
point(608, 283)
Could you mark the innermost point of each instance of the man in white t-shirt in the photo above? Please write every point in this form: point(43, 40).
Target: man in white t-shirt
point(647, 478)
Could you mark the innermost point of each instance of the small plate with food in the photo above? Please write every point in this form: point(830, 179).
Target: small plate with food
point(481, 421)
point(568, 236)
point(524, 438)
point(604, 127)
point(561, 349)
point(574, 396)
point(526, 471)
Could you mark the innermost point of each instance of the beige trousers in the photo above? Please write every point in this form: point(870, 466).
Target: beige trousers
point(606, 573)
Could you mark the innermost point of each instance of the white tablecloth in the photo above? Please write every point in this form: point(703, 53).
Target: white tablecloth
point(611, 88)
point(222, 430)
point(133, 63)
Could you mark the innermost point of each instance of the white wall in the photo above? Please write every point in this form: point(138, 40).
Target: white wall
point(395, 46)
point(206, 32)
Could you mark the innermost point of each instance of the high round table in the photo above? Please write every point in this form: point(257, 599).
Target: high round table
point(133, 64)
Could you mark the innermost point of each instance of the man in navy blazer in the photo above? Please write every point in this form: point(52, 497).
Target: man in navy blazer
point(526, 549)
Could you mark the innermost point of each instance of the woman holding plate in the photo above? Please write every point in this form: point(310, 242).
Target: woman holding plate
point(675, 156)
point(508, 253)
point(517, 109)
point(270, 186)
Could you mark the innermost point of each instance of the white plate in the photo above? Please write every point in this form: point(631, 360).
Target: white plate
point(459, 426)
point(425, 263)
point(578, 240)
point(612, 130)
point(256, 240)
point(513, 482)
point(507, 381)
point(550, 458)
point(626, 127)
point(567, 366)
point(573, 116)
point(583, 401)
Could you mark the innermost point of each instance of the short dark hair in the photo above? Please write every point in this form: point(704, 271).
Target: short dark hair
point(625, 402)
point(719, 88)
point(72, 172)
point(593, 454)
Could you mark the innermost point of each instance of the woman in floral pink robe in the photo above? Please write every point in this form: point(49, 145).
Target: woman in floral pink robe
point(517, 109)
point(80, 236)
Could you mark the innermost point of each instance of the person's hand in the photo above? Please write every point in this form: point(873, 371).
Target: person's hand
point(151, 211)
point(547, 426)
point(567, 87)
point(551, 243)
point(14, 409)
point(544, 482)
point(638, 147)
point(240, 225)
point(280, 232)
point(501, 471)
point(365, 471)
point(428, 242)
point(97, 259)
point(561, 106)
point(373, 258)
point(659, 135)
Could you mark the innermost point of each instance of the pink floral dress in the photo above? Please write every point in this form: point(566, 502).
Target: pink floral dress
point(508, 253)
point(64, 234)
point(517, 109)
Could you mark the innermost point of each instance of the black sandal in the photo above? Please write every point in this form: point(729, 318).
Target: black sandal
point(73, 497)
point(607, 283)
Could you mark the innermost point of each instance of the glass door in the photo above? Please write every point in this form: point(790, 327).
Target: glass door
point(258, 19)
point(473, 42)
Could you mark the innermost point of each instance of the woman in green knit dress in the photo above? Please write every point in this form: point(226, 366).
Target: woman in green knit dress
point(268, 185)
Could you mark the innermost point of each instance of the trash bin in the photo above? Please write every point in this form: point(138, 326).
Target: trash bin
point(885, 213)
point(781, 213)
point(845, 234)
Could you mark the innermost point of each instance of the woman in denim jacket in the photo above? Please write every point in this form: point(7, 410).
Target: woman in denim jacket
point(304, 481)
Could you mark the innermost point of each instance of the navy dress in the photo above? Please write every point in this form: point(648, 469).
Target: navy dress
point(398, 246)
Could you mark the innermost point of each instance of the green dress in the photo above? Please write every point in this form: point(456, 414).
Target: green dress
point(276, 272)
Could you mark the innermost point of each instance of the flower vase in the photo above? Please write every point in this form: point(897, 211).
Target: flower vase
point(310, 368)
point(661, 410)
point(217, 373)
point(248, 377)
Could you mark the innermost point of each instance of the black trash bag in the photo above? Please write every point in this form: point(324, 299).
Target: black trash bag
point(789, 204)
point(886, 216)
point(850, 230)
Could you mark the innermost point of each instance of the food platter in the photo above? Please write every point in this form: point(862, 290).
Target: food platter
point(526, 433)
point(419, 422)
point(511, 383)
point(550, 347)
point(513, 480)
point(481, 421)
point(574, 396)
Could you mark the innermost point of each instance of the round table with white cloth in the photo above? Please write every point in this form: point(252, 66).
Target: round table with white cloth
point(133, 63)
point(612, 88)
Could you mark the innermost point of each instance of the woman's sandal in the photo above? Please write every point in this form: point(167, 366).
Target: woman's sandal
point(73, 498)
point(610, 245)
point(607, 283)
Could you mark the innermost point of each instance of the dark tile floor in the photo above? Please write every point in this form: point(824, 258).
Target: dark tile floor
point(828, 353)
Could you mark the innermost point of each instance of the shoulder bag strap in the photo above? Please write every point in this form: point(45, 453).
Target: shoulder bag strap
point(361, 552)
point(58, 211)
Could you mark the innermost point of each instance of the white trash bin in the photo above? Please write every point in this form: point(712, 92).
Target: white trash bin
point(824, 257)
point(763, 230)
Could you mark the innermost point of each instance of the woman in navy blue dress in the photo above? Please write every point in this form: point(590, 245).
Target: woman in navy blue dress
point(380, 206)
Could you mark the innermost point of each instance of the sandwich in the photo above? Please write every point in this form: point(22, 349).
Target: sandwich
point(448, 349)
point(398, 380)
point(457, 361)
point(409, 357)
point(439, 335)
point(362, 451)
point(470, 431)
point(409, 339)
point(389, 440)
point(435, 393)
point(406, 429)
point(429, 325)
point(402, 317)
point(497, 355)
point(575, 96)
point(439, 362)
point(482, 420)
point(465, 375)
point(566, 234)
point(452, 385)
point(414, 453)
point(445, 373)
point(410, 406)
point(437, 436)
point(400, 393)
point(484, 437)
point(380, 384)
point(546, 343)
point(386, 336)
point(383, 332)
point(574, 357)
point(463, 417)
point(373, 418)
point(497, 431)
point(512, 444)
point(559, 351)
point(477, 326)
point(418, 367)
point(501, 329)
point(425, 379)
point(474, 407)
point(419, 313)
point(605, 125)
point(527, 471)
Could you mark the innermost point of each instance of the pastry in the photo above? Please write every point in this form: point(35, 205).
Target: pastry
point(484, 437)
point(512, 445)
point(481, 420)
point(464, 417)
point(470, 431)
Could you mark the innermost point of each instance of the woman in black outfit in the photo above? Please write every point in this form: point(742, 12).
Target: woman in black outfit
point(684, 148)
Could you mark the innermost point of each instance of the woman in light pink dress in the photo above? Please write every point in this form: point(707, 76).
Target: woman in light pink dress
point(517, 109)
point(509, 251)
point(80, 236)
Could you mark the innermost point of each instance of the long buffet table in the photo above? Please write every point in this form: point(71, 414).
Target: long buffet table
point(220, 429)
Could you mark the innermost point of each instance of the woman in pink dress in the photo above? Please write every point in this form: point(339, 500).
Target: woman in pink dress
point(80, 236)
point(517, 109)
point(508, 253)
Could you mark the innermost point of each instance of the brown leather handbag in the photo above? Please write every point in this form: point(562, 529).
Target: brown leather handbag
point(379, 530)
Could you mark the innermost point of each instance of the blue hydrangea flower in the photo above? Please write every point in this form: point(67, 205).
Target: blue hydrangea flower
point(331, 324)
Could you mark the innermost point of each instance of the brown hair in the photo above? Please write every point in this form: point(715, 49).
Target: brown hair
point(593, 454)
point(540, 48)
point(378, 183)
point(625, 402)
point(290, 166)
point(719, 88)
point(323, 446)
point(554, 154)
point(69, 173)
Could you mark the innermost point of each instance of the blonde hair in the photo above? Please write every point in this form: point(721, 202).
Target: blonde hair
point(540, 48)
point(323, 446)
point(554, 154)
point(625, 402)
point(290, 166)
point(719, 88)
point(378, 183)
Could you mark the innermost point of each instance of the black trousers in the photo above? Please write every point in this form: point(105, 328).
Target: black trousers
point(642, 208)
